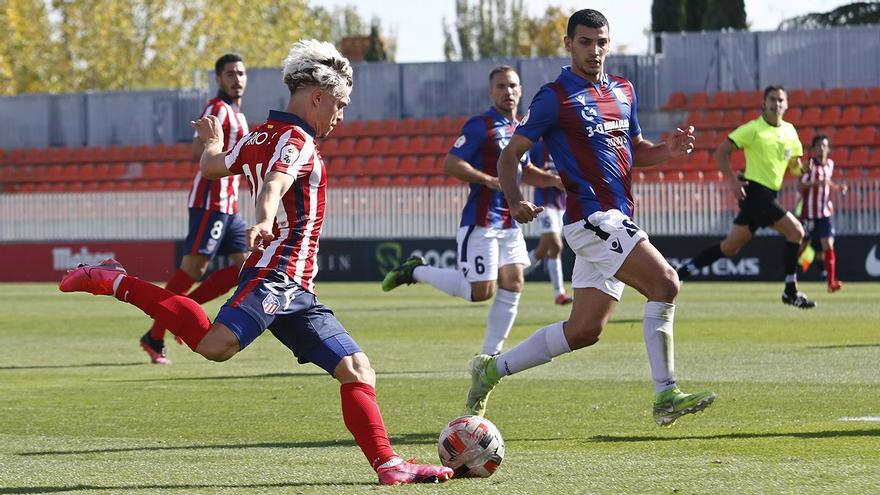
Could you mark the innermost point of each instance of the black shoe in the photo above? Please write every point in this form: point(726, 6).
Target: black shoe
point(798, 300)
point(155, 349)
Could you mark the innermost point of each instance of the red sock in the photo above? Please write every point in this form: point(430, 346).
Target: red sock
point(363, 419)
point(215, 285)
point(180, 314)
point(179, 283)
point(830, 262)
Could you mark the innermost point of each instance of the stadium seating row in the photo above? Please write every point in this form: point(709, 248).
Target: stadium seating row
point(854, 116)
point(744, 100)
point(446, 126)
point(370, 146)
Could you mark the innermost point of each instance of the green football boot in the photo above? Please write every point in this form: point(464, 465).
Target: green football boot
point(402, 274)
point(484, 377)
point(671, 404)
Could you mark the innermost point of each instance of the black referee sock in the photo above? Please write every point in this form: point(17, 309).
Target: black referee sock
point(709, 255)
point(789, 263)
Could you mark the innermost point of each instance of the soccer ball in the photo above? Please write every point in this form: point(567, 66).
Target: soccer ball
point(472, 446)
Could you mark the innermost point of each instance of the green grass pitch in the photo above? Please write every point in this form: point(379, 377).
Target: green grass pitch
point(82, 412)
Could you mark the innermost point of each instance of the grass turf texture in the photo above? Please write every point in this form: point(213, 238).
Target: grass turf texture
point(81, 411)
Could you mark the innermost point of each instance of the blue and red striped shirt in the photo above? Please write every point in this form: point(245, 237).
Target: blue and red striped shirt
point(546, 196)
point(589, 129)
point(480, 143)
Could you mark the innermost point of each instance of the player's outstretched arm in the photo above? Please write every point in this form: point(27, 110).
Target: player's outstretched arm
point(508, 168)
point(456, 167)
point(260, 234)
point(646, 153)
point(540, 177)
point(213, 161)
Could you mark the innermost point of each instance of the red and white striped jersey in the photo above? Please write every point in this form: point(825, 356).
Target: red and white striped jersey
point(220, 194)
point(817, 199)
point(285, 143)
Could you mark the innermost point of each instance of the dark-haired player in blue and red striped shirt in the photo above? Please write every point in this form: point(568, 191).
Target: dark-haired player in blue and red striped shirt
point(491, 248)
point(549, 249)
point(589, 120)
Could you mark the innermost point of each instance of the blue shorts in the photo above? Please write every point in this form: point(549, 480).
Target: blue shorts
point(212, 233)
point(818, 228)
point(267, 298)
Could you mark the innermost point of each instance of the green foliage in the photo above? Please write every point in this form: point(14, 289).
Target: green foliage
point(105, 45)
point(853, 14)
point(722, 14)
point(666, 16)
point(83, 412)
point(694, 12)
point(376, 52)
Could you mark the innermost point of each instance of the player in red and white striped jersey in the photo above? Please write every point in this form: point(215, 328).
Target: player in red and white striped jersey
point(276, 288)
point(817, 209)
point(214, 224)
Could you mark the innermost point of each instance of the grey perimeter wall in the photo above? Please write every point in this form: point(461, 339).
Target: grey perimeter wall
point(714, 61)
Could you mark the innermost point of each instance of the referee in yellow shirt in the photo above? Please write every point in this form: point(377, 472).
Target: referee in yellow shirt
point(771, 146)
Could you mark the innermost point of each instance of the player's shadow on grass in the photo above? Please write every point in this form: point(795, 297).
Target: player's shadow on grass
point(274, 375)
point(842, 346)
point(803, 434)
point(401, 439)
point(71, 366)
point(189, 486)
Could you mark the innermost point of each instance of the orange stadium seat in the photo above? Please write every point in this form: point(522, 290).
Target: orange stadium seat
point(812, 117)
point(730, 119)
point(408, 165)
point(345, 147)
point(437, 145)
point(437, 180)
point(427, 165)
point(398, 146)
point(371, 128)
point(387, 127)
point(846, 137)
point(794, 115)
point(816, 98)
point(416, 145)
point(424, 127)
point(375, 166)
point(796, 98)
point(418, 181)
point(380, 146)
point(354, 165)
point(719, 100)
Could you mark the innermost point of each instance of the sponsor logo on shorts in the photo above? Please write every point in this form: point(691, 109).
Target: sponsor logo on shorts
point(271, 304)
point(211, 245)
point(616, 247)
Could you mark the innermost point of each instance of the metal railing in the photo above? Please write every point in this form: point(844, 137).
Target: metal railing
point(662, 208)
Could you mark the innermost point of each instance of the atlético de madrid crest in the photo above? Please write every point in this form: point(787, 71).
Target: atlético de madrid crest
point(271, 304)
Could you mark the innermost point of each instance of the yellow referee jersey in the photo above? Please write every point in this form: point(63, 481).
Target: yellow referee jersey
point(768, 150)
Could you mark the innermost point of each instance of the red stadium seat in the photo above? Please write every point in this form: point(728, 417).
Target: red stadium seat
point(796, 98)
point(812, 117)
point(424, 127)
point(364, 146)
point(329, 146)
point(437, 180)
point(851, 115)
point(387, 127)
point(406, 127)
point(871, 115)
point(836, 96)
point(408, 165)
point(363, 181)
point(381, 181)
point(846, 137)
point(874, 159)
point(418, 181)
point(346, 147)
point(426, 164)
point(873, 96)
point(856, 96)
point(859, 157)
point(400, 180)
point(831, 116)
point(398, 146)
point(698, 101)
point(731, 119)
point(719, 100)
point(380, 146)
point(677, 101)
point(867, 135)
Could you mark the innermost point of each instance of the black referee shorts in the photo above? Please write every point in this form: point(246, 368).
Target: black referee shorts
point(760, 208)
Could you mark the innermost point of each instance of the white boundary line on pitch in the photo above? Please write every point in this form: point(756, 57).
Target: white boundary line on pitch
point(860, 418)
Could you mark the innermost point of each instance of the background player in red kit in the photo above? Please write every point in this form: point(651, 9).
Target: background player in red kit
point(276, 288)
point(817, 211)
point(214, 224)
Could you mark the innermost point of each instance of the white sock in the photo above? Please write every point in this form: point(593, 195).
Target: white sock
point(554, 268)
point(448, 280)
point(657, 328)
point(501, 316)
point(541, 347)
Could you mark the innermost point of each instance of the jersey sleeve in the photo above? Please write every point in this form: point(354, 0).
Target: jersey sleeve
point(292, 156)
point(536, 154)
point(742, 136)
point(542, 114)
point(234, 160)
point(468, 143)
point(634, 128)
point(797, 148)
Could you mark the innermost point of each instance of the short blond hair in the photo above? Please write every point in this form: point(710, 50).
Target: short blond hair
point(317, 63)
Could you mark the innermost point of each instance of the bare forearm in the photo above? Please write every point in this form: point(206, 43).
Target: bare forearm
point(646, 153)
point(508, 165)
point(267, 202)
point(538, 177)
point(463, 171)
point(212, 162)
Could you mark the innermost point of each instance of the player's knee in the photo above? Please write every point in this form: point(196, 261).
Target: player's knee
point(218, 352)
point(666, 289)
point(355, 368)
point(582, 334)
point(482, 293)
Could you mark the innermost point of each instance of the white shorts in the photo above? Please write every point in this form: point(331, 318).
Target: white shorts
point(601, 244)
point(481, 250)
point(550, 220)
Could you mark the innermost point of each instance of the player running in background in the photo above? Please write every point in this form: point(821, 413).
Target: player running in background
point(549, 249)
point(491, 248)
point(276, 287)
point(771, 146)
point(817, 210)
point(214, 224)
point(589, 121)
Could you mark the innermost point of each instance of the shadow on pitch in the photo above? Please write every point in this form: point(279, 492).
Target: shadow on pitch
point(71, 366)
point(133, 488)
point(843, 346)
point(275, 375)
point(410, 438)
point(806, 434)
